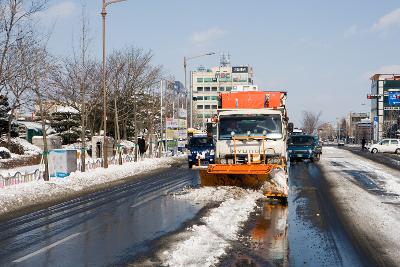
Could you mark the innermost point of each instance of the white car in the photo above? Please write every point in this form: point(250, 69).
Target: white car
point(386, 146)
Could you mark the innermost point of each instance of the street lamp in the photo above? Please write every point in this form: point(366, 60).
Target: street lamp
point(185, 60)
point(103, 15)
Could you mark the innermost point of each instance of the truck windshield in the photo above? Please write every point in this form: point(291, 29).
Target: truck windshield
point(301, 140)
point(200, 141)
point(255, 125)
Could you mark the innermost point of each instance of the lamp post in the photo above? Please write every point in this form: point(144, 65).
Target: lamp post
point(185, 60)
point(103, 72)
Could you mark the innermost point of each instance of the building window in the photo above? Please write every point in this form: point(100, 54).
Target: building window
point(207, 89)
point(214, 97)
point(208, 80)
point(207, 116)
point(199, 89)
point(199, 80)
point(228, 88)
point(214, 89)
point(199, 116)
point(214, 106)
point(200, 97)
point(199, 106)
point(206, 97)
point(222, 88)
point(207, 107)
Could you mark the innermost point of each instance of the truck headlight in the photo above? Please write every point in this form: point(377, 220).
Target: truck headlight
point(310, 151)
point(290, 151)
point(212, 152)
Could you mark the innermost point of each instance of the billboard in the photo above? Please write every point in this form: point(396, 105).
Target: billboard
point(394, 98)
point(243, 69)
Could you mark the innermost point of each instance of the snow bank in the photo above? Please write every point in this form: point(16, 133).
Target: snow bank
point(4, 149)
point(212, 194)
point(32, 193)
point(28, 147)
point(209, 241)
point(278, 182)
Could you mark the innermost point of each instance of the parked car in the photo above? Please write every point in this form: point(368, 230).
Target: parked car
point(386, 146)
point(340, 143)
point(304, 147)
point(201, 151)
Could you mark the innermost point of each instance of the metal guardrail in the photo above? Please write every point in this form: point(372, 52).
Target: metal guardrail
point(19, 178)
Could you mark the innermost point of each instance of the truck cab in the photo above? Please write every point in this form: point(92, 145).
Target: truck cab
point(304, 147)
point(201, 151)
point(257, 133)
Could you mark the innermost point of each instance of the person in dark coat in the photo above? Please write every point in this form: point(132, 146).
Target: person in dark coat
point(142, 146)
point(363, 142)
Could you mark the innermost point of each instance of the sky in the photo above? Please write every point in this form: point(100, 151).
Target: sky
point(321, 52)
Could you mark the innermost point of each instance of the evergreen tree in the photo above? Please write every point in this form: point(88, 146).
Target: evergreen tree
point(67, 125)
point(4, 109)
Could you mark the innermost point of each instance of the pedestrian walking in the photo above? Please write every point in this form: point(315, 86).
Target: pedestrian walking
point(142, 146)
point(363, 142)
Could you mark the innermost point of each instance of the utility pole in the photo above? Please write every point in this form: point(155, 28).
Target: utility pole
point(103, 74)
point(160, 144)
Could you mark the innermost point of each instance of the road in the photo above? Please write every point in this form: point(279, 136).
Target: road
point(126, 224)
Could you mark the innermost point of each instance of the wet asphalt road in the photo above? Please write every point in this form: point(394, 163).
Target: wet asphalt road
point(117, 226)
point(107, 228)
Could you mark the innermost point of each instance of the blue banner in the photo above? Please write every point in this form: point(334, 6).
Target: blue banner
point(394, 99)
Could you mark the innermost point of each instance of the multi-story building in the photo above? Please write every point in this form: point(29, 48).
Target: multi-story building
point(208, 83)
point(354, 119)
point(385, 105)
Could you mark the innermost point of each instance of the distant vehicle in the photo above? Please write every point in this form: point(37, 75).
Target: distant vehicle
point(201, 151)
point(386, 146)
point(340, 143)
point(304, 147)
point(297, 131)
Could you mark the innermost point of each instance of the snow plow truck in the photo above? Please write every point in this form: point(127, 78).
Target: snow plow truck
point(251, 147)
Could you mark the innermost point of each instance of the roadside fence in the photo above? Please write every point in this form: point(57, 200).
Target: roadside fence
point(19, 178)
point(91, 164)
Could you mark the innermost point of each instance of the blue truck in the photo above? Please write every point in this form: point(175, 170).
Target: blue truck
point(304, 147)
point(201, 151)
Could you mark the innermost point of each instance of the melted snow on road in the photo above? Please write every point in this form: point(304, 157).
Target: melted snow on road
point(208, 241)
point(368, 196)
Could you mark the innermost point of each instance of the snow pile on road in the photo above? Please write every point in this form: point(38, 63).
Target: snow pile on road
point(278, 182)
point(209, 241)
point(36, 192)
point(212, 194)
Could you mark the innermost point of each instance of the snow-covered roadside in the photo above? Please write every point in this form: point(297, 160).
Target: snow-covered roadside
point(207, 242)
point(374, 218)
point(22, 169)
point(33, 193)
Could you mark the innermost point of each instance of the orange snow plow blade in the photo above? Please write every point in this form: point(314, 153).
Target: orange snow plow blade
point(242, 175)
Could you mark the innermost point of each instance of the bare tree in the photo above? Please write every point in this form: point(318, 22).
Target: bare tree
point(310, 121)
point(76, 81)
point(40, 87)
point(15, 24)
point(17, 82)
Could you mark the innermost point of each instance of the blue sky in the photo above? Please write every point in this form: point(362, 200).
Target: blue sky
point(321, 52)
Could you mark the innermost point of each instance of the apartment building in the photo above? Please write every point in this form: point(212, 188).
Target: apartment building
point(208, 83)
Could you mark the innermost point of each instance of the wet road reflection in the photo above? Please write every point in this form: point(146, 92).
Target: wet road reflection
point(265, 241)
point(106, 229)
